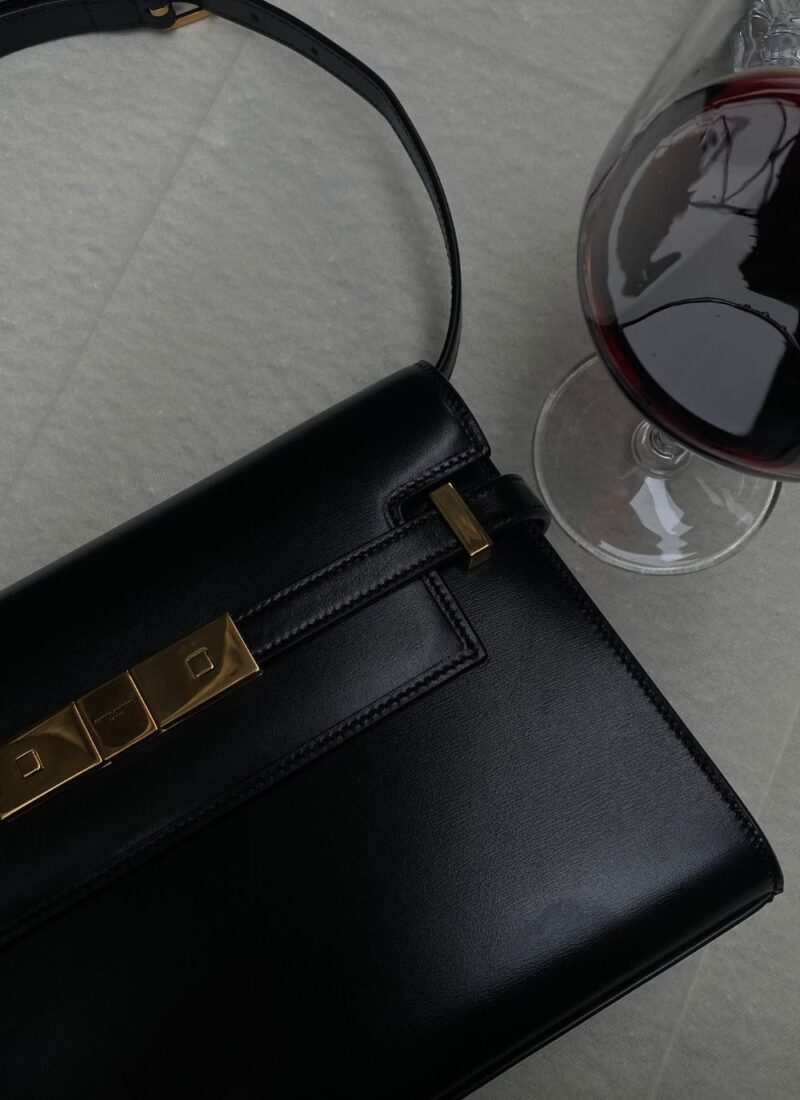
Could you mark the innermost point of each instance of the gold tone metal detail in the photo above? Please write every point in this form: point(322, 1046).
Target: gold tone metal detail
point(116, 715)
point(29, 764)
point(462, 522)
point(194, 671)
point(182, 19)
point(199, 663)
point(42, 758)
point(122, 712)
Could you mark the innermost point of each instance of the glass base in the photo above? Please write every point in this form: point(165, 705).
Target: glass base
point(632, 496)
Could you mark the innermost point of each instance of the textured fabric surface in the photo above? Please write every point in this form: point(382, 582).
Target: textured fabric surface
point(207, 240)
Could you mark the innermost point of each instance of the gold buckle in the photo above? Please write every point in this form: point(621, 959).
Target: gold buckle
point(182, 19)
point(128, 709)
point(463, 522)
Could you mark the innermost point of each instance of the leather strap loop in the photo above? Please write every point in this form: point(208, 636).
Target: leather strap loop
point(28, 22)
point(403, 554)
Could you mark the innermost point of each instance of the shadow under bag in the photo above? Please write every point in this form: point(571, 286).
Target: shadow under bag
point(326, 778)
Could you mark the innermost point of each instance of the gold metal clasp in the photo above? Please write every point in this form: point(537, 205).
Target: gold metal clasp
point(116, 715)
point(462, 521)
point(182, 18)
point(131, 707)
point(194, 671)
point(43, 758)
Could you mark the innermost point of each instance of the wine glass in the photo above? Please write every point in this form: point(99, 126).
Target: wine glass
point(665, 452)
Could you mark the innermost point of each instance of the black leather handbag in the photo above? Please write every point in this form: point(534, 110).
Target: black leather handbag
point(326, 779)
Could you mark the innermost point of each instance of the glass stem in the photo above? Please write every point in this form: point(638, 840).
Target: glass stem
point(656, 453)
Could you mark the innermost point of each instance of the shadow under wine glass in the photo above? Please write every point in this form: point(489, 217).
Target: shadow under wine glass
point(660, 454)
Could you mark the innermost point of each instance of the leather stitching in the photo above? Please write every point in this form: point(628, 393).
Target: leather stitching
point(361, 554)
point(478, 446)
point(376, 588)
point(364, 552)
point(457, 406)
point(472, 651)
point(656, 699)
point(343, 605)
point(453, 614)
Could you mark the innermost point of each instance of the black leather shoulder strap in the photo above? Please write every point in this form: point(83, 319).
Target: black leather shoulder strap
point(29, 22)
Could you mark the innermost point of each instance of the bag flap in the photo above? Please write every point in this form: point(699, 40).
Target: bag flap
point(290, 508)
point(269, 521)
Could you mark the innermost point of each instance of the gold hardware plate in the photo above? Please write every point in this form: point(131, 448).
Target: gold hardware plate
point(116, 715)
point(194, 671)
point(43, 758)
point(182, 19)
point(461, 520)
point(122, 712)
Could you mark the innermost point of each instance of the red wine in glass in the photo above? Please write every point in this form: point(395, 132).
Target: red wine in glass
point(690, 270)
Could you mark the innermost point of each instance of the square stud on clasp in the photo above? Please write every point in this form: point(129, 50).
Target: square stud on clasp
point(192, 672)
point(43, 758)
